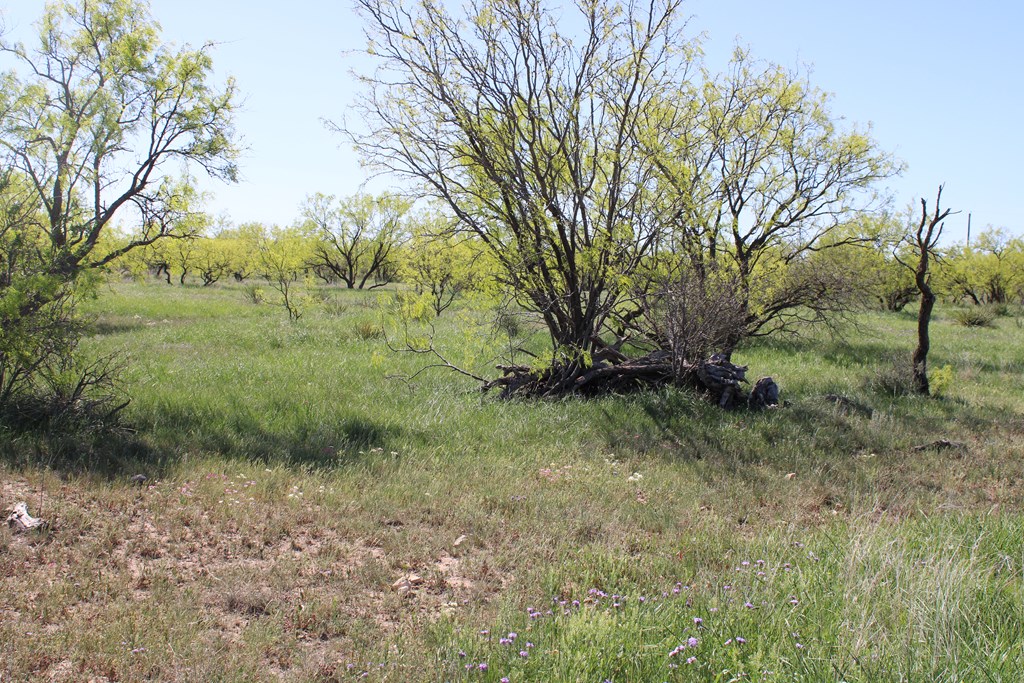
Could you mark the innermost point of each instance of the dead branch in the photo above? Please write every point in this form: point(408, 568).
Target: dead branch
point(20, 521)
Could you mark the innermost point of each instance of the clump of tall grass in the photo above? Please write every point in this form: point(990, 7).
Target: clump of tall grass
point(892, 377)
point(255, 294)
point(977, 316)
point(335, 306)
point(367, 330)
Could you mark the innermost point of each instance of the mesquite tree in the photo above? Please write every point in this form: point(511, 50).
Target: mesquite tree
point(532, 138)
point(759, 178)
point(355, 237)
point(97, 121)
point(606, 171)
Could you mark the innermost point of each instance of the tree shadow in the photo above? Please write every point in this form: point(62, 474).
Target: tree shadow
point(122, 451)
point(105, 328)
point(110, 453)
point(681, 425)
point(838, 351)
point(321, 444)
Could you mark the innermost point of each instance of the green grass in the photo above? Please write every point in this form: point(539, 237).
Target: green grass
point(296, 472)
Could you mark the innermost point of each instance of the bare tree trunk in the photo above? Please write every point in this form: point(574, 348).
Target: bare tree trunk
point(925, 241)
point(920, 358)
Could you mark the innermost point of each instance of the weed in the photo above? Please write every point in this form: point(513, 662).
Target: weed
point(336, 306)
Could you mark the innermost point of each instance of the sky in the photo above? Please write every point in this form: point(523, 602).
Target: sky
point(941, 83)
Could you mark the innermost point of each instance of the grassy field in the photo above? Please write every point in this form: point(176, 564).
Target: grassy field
point(311, 514)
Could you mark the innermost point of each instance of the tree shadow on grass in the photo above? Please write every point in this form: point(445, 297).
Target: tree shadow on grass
point(322, 444)
point(840, 352)
point(680, 425)
point(121, 451)
point(106, 453)
point(107, 327)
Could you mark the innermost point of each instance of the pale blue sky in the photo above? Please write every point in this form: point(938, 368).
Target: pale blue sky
point(941, 82)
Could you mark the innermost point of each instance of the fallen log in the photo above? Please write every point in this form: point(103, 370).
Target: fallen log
point(723, 380)
point(941, 445)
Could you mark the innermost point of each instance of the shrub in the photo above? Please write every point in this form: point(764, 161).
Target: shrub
point(1000, 310)
point(894, 377)
point(335, 306)
point(255, 294)
point(975, 317)
point(369, 330)
point(941, 380)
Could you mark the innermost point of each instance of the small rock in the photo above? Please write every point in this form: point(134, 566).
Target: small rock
point(406, 583)
point(459, 541)
point(791, 475)
point(138, 479)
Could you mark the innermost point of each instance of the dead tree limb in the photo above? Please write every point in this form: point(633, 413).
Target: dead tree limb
point(20, 521)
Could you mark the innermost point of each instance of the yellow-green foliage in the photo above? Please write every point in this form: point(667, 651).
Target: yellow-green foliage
point(940, 380)
point(441, 268)
point(991, 270)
